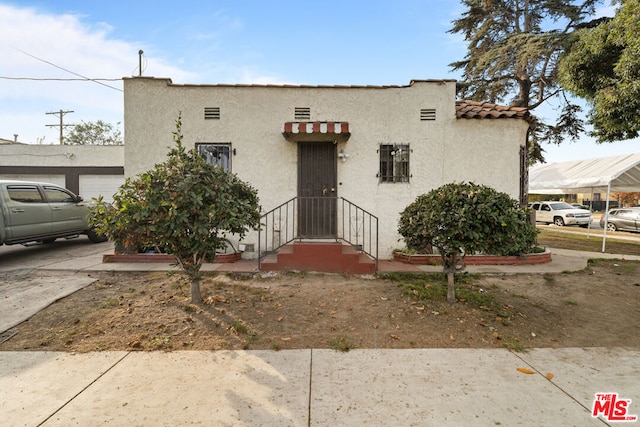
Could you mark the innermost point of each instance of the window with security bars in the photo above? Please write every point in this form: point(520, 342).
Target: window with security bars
point(216, 154)
point(394, 163)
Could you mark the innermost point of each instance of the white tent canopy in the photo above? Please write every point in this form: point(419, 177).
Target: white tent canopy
point(618, 173)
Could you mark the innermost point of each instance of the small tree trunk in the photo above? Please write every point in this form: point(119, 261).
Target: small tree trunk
point(450, 261)
point(451, 291)
point(192, 271)
point(196, 296)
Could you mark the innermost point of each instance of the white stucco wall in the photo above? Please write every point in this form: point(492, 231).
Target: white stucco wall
point(487, 152)
point(252, 119)
point(51, 163)
point(61, 155)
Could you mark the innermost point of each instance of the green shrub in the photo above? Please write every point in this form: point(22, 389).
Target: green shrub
point(466, 218)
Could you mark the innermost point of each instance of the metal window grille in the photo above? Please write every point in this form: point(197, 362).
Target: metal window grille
point(217, 154)
point(394, 163)
point(524, 176)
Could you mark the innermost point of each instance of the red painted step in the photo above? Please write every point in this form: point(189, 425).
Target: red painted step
point(331, 257)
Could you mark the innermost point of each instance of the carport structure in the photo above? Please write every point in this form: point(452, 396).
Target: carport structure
point(617, 173)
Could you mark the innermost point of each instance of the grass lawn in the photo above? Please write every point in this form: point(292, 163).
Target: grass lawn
point(579, 241)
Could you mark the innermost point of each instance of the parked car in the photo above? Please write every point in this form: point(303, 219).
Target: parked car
point(623, 219)
point(41, 212)
point(580, 206)
point(561, 213)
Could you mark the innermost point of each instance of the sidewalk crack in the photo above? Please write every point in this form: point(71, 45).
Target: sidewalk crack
point(566, 393)
point(310, 386)
point(117, 362)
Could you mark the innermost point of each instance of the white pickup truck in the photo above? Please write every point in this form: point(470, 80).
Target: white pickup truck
point(561, 213)
point(41, 212)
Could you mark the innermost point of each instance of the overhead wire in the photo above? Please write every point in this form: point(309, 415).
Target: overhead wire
point(69, 71)
point(58, 79)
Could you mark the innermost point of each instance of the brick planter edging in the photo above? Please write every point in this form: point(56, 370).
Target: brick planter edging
point(428, 259)
point(164, 258)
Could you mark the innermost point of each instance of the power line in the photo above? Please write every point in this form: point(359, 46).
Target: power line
point(58, 79)
point(68, 71)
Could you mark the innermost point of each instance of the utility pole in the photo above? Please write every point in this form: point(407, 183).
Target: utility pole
point(61, 113)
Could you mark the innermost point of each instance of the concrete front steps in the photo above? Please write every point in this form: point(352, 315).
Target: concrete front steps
point(332, 257)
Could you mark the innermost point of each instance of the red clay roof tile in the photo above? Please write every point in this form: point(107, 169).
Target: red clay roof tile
point(485, 110)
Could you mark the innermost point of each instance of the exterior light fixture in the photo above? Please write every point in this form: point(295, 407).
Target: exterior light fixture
point(343, 155)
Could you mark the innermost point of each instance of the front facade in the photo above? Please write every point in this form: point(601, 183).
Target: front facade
point(377, 147)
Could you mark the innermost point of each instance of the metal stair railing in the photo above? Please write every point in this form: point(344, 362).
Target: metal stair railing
point(277, 228)
point(359, 228)
point(354, 225)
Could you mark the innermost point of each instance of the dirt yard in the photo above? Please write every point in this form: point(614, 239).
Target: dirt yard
point(599, 306)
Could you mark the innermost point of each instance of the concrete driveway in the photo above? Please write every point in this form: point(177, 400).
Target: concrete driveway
point(29, 282)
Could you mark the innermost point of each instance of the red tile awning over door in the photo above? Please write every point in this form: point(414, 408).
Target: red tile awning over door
point(319, 131)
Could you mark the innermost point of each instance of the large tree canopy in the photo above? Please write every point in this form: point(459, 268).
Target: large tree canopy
point(513, 51)
point(94, 133)
point(603, 66)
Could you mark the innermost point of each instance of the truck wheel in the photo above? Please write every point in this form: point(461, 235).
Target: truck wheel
point(95, 237)
point(558, 221)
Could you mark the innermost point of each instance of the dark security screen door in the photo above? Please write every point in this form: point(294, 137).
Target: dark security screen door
point(317, 191)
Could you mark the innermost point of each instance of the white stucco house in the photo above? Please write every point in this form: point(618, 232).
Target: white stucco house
point(335, 162)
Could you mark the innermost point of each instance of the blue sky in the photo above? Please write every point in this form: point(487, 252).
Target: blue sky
point(328, 42)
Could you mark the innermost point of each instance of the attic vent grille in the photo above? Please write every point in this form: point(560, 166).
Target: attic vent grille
point(212, 113)
point(302, 113)
point(427, 114)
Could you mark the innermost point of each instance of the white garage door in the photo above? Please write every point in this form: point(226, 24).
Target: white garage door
point(100, 185)
point(52, 179)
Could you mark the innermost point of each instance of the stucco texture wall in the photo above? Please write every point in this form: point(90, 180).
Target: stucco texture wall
point(61, 155)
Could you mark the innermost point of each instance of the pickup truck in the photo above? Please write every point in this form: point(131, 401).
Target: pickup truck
point(41, 212)
point(561, 213)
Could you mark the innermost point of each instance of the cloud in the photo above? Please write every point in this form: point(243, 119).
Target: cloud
point(609, 10)
point(67, 42)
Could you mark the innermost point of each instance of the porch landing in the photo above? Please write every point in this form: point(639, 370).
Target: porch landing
point(333, 257)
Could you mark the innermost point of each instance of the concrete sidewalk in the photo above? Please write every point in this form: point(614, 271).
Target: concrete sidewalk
point(430, 387)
